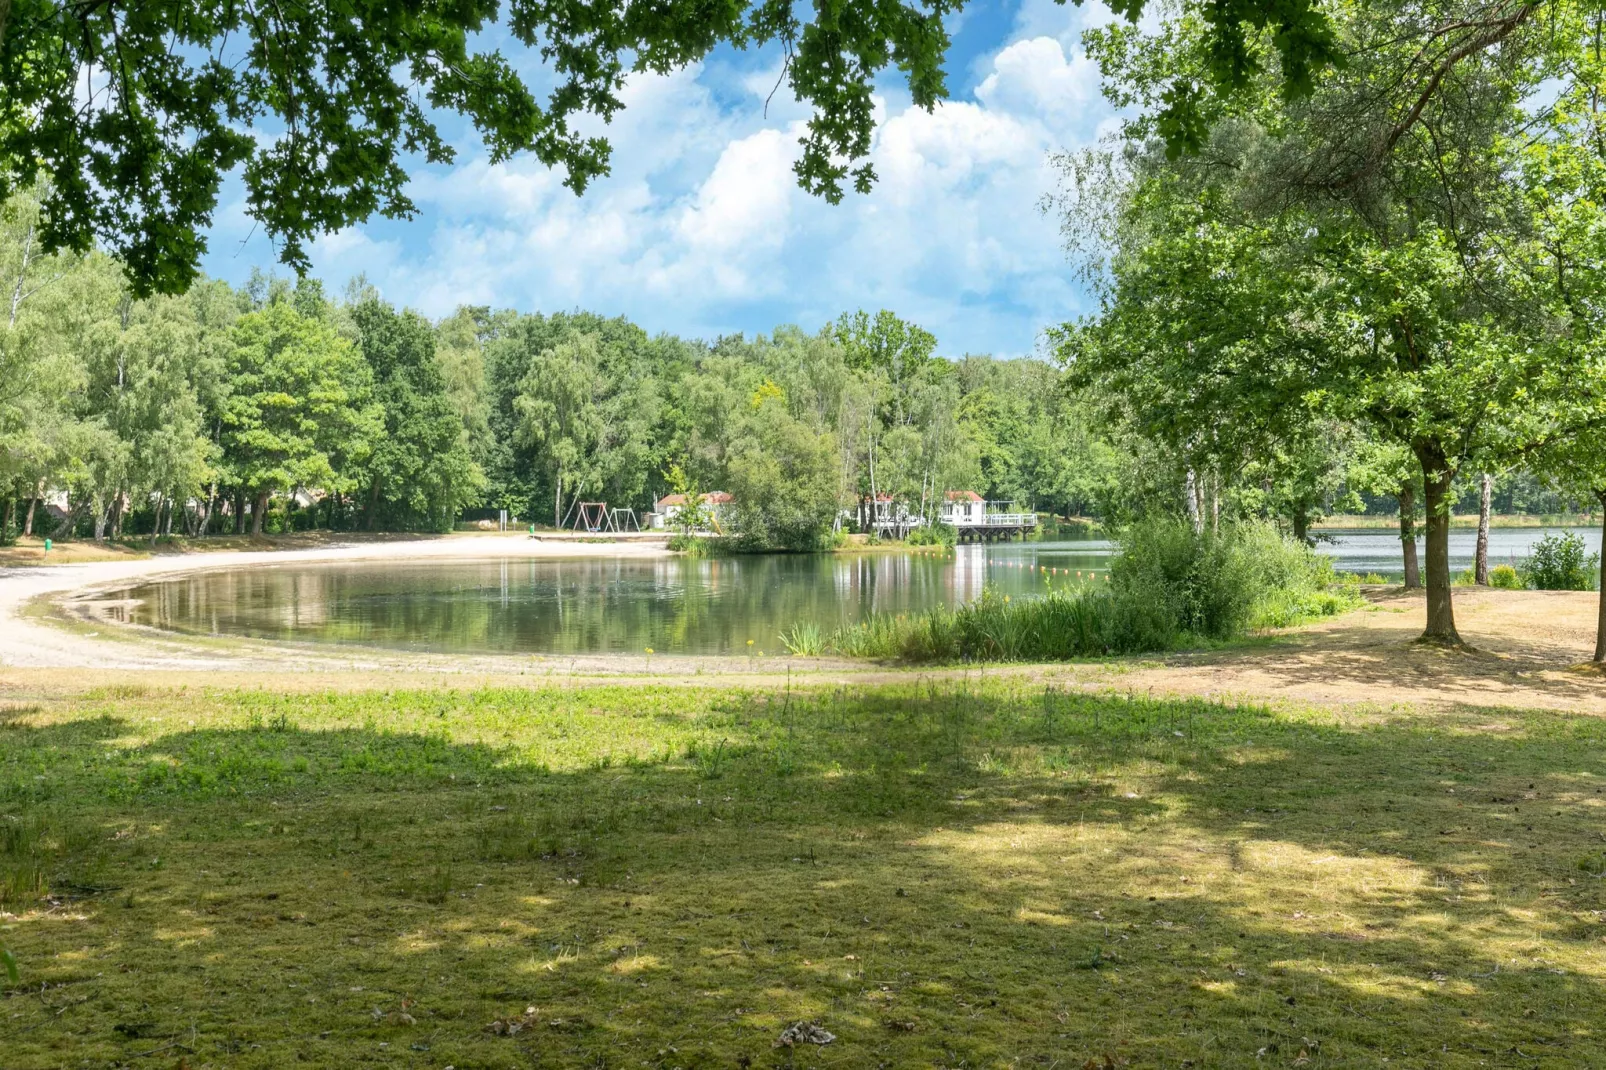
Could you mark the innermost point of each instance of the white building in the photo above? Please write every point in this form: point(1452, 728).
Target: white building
point(716, 504)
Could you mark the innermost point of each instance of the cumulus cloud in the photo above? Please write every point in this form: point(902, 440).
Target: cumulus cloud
point(701, 228)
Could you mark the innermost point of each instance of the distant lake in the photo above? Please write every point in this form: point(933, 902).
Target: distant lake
point(1365, 550)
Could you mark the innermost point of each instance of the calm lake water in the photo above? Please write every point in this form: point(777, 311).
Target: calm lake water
point(674, 605)
point(1378, 550)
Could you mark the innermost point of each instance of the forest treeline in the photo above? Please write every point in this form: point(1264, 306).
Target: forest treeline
point(278, 406)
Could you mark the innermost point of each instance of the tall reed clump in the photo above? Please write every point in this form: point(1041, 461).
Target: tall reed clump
point(1168, 587)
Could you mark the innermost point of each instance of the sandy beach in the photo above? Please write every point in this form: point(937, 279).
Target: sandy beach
point(28, 640)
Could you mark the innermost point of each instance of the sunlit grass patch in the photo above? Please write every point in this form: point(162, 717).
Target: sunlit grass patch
point(939, 873)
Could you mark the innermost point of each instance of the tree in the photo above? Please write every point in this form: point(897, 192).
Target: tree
point(1365, 249)
point(300, 397)
point(783, 478)
point(419, 471)
point(558, 414)
point(137, 112)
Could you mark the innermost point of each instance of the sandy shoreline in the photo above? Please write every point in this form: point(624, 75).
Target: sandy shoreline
point(26, 641)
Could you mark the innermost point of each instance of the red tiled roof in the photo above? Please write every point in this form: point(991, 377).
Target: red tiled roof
point(713, 497)
point(963, 496)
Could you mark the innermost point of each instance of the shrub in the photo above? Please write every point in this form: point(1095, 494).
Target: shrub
point(1559, 563)
point(1506, 577)
point(933, 534)
point(1168, 585)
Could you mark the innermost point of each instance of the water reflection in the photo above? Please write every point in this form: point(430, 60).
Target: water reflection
point(674, 605)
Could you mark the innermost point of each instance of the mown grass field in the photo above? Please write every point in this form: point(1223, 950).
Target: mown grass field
point(953, 875)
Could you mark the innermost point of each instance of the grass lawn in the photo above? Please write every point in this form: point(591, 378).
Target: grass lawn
point(940, 875)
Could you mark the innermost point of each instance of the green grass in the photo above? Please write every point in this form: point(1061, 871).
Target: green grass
point(985, 875)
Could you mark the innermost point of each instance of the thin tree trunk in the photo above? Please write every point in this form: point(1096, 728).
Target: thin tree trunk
point(1480, 559)
point(258, 510)
point(27, 524)
point(557, 500)
point(119, 508)
point(156, 520)
point(205, 519)
point(1436, 480)
point(11, 503)
point(1190, 492)
point(237, 506)
point(1215, 503)
point(1600, 620)
point(1413, 574)
point(373, 505)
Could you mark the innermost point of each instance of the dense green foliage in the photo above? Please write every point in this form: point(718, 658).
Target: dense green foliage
point(1560, 563)
point(1388, 285)
point(1168, 586)
point(282, 407)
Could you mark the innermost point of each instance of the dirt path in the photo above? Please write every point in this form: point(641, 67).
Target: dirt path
point(1527, 647)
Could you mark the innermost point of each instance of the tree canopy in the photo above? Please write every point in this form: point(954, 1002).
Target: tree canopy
point(137, 112)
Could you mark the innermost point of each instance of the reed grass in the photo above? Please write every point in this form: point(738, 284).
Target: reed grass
point(1168, 588)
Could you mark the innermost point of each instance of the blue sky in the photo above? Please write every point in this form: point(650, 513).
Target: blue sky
point(701, 230)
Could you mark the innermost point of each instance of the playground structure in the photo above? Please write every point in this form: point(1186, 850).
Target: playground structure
point(597, 517)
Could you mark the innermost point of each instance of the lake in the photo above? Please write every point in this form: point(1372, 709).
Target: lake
point(1378, 549)
point(673, 605)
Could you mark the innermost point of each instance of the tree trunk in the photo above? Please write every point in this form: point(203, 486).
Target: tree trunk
point(557, 501)
point(1480, 559)
point(258, 510)
point(1301, 520)
point(373, 505)
point(156, 520)
point(1436, 479)
point(205, 520)
point(27, 523)
point(1600, 621)
point(119, 507)
point(1413, 575)
point(11, 503)
point(1190, 492)
point(238, 508)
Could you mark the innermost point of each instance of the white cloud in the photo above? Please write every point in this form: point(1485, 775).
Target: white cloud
point(701, 228)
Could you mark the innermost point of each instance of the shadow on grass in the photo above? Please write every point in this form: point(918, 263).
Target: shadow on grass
point(939, 876)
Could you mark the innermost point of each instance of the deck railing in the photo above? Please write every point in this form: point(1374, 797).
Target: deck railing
point(996, 520)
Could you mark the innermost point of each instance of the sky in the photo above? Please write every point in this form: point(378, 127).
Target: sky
point(702, 231)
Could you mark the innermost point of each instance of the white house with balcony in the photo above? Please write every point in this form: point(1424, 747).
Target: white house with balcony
point(973, 517)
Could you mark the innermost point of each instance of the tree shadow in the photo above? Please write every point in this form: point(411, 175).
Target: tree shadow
point(940, 876)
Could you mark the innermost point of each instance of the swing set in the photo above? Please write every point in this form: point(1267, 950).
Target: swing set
point(596, 517)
